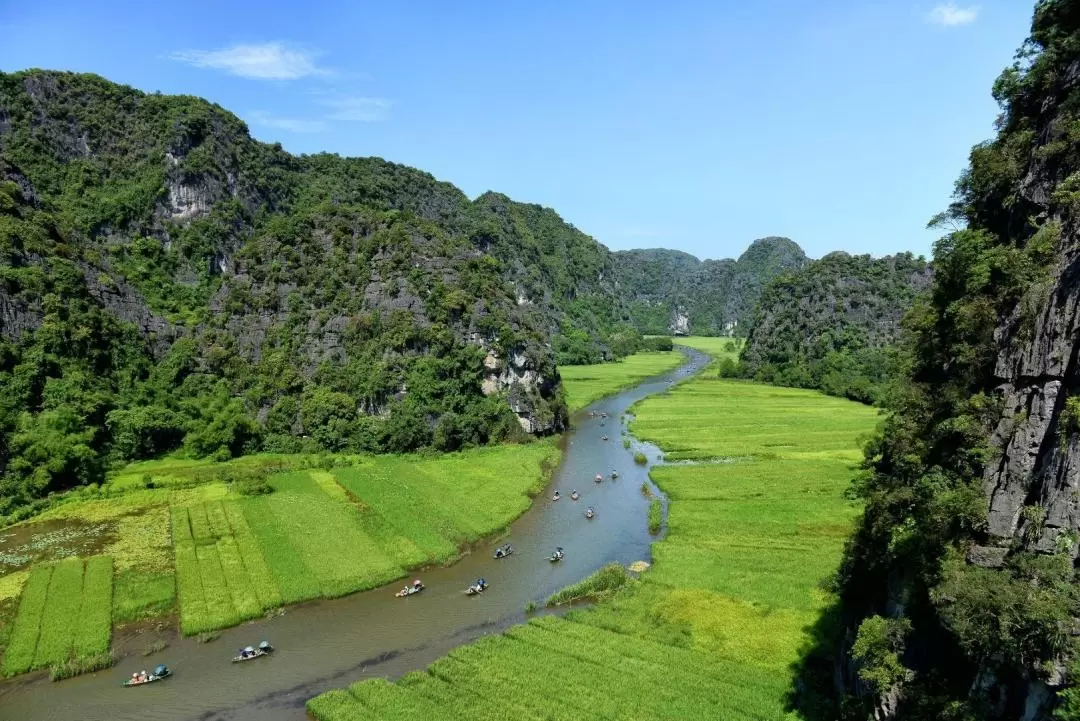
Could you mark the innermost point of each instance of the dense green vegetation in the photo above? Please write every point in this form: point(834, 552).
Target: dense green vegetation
point(594, 587)
point(167, 283)
point(586, 384)
point(178, 535)
point(992, 638)
point(831, 325)
point(716, 297)
point(726, 603)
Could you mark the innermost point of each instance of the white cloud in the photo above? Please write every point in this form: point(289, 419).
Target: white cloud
point(950, 14)
point(266, 61)
point(348, 107)
point(293, 125)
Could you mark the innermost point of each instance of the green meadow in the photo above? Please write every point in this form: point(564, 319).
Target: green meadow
point(589, 383)
point(717, 347)
point(174, 537)
point(728, 601)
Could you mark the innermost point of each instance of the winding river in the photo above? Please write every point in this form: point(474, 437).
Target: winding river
point(327, 644)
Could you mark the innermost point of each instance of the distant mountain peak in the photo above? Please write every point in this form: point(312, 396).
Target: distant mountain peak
point(673, 291)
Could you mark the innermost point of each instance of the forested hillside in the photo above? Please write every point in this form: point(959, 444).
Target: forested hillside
point(959, 590)
point(831, 324)
point(668, 291)
point(168, 282)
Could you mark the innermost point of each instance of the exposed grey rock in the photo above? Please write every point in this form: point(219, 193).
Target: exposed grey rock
point(987, 556)
point(17, 317)
point(1039, 701)
point(680, 322)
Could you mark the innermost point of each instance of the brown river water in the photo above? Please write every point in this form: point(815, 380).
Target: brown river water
point(329, 644)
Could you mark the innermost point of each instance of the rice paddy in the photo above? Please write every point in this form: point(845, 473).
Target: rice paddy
point(175, 539)
point(728, 601)
point(589, 383)
point(236, 559)
point(717, 347)
point(64, 615)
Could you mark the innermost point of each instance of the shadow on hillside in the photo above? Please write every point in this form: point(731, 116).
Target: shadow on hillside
point(813, 693)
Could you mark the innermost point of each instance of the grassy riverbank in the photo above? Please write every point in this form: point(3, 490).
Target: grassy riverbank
point(718, 348)
point(586, 384)
point(727, 602)
point(175, 537)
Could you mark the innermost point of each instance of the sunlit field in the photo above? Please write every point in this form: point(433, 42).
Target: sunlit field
point(64, 615)
point(586, 384)
point(175, 534)
point(711, 630)
point(717, 347)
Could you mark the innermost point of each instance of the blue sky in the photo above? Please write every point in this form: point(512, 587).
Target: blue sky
point(692, 125)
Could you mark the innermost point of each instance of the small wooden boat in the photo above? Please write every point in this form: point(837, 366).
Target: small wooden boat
point(603, 438)
point(574, 495)
point(478, 587)
point(557, 496)
point(557, 556)
point(251, 653)
point(159, 673)
point(412, 590)
point(504, 551)
point(589, 512)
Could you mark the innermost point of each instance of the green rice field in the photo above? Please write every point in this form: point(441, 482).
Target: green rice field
point(732, 590)
point(717, 347)
point(237, 558)
point(589, 383)
point(185, 542)
point(64, 615)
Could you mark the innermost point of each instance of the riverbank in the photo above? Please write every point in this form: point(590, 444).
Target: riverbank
point(324, 644)
point(173, 539)
point(587, 384)
point(727, 603)
point(186, 548)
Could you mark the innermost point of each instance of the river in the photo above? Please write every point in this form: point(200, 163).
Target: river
point(328, 644)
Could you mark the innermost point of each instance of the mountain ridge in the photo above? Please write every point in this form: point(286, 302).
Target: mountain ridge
point(674, 291)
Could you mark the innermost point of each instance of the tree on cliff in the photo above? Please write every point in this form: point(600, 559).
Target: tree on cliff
point(958, 590)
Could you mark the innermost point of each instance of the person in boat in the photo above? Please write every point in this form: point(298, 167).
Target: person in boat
point(265, 647)
point(135, 677)
point(557, 496)
point(417, 585)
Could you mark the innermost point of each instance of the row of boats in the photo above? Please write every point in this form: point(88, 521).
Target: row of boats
point(481, 585)
point(249, 653)
point(506, 549)
point(161, 671)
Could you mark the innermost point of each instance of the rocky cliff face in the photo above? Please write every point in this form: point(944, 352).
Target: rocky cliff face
point(828, 324)
point(959, 591)
point(716, 297)
point(176, 271)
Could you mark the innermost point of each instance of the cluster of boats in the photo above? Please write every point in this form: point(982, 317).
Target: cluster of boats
point(248, 653)
point(574, 495)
